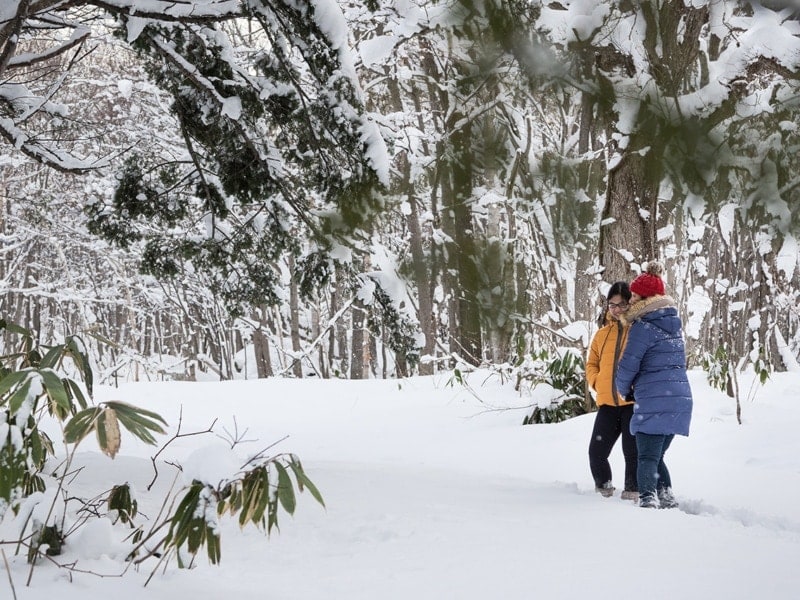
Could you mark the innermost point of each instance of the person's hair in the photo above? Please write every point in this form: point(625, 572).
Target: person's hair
point(618, 288)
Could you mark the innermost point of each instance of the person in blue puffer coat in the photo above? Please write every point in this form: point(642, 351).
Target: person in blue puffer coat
point(652, 371)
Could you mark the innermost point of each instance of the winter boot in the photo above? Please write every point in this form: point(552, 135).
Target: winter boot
point(630, 495)
point(606, 490)
point(666, 499)
point(648, 501)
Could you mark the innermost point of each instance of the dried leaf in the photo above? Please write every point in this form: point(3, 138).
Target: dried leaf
point(108, 432)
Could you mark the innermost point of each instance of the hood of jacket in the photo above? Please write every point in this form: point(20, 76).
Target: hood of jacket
point(659, 311)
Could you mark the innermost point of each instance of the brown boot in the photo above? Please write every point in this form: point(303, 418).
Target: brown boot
point(606, 490)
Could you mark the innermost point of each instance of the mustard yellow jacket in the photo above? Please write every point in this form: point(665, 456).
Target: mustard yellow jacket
point(601, 364)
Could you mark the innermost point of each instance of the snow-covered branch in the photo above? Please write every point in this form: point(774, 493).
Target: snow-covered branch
point(27, 59)
point(184, 11)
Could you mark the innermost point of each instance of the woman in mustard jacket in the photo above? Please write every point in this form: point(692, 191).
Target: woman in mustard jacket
point(614, 413)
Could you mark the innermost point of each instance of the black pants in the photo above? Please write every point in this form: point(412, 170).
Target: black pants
point(610, 423)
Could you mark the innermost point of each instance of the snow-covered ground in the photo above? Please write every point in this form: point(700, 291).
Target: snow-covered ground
point(437, 491)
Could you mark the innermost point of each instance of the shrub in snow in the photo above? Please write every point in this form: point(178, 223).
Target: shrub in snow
point(564, 374)
point(38, 389)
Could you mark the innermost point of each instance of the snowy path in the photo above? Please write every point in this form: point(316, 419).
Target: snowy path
point(432, 495)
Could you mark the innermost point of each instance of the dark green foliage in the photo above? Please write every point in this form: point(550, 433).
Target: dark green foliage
point(274, 137)
point(120, 500)
point(717, 366)
point(17, 478)
point(140, 202)
point(265, 485)
point(313, 272)
point(556, 412)
point(49, 536)
point(565, 373)
point(255, 497)
point(32, 390)
point(191, 526)
point(401, 334)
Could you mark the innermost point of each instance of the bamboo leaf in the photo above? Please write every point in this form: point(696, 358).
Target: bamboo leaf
point(51, 357)
point(55, 389)
point(285, 489)
point(103, 339)
point(303, 480)
point(109, 425)
point(255, 495)
point(263, 502)
point(81, 424)
point(138, 421)
point(179, 523)
point(272, 514)
point(12, 379)
point(213, 544)
point(74, 349)
point(120, 499)
point(37, 448)
point(100, 430)
point(135, 411)
point(18, 398)
point(75, 391)
point(14, 328)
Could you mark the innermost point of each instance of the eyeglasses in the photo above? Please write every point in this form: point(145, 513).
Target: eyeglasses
point(620, 305)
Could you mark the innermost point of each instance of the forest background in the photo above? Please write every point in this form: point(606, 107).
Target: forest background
point(378, 189)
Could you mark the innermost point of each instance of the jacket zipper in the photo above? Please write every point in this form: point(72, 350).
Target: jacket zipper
point(617, 346)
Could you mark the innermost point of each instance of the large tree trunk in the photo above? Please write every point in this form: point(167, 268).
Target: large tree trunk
point(627, 234)
point(469, 283)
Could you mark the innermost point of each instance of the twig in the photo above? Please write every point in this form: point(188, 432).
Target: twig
point(157, 525)
point(260, 454)
point(177, 435)
point(8, 572)
point(234, 438)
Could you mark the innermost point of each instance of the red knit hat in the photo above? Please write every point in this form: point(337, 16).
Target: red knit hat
point(649, 283)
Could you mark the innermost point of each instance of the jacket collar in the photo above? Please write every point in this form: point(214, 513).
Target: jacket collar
point(646, 306)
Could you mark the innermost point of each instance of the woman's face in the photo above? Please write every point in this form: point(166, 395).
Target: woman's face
point(617, 305)
point(635, 297)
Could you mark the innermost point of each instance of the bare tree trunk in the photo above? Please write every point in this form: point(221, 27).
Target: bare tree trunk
point(423, 285)
point(357, 348)
point(343, 353)
point(261, 347)
point(315, 333)
point(372, 354)
point(294, 315)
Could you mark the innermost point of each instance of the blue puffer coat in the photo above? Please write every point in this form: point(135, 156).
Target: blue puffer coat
point(653, 366)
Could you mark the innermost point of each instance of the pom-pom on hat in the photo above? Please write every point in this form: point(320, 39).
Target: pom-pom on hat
point(649, 283)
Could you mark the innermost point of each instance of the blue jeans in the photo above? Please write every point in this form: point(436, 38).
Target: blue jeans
point(651, 471)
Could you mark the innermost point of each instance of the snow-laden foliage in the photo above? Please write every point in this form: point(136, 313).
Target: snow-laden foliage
point(274, 150)
point(534, 152)
point(687, 109)
point(40, 395)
